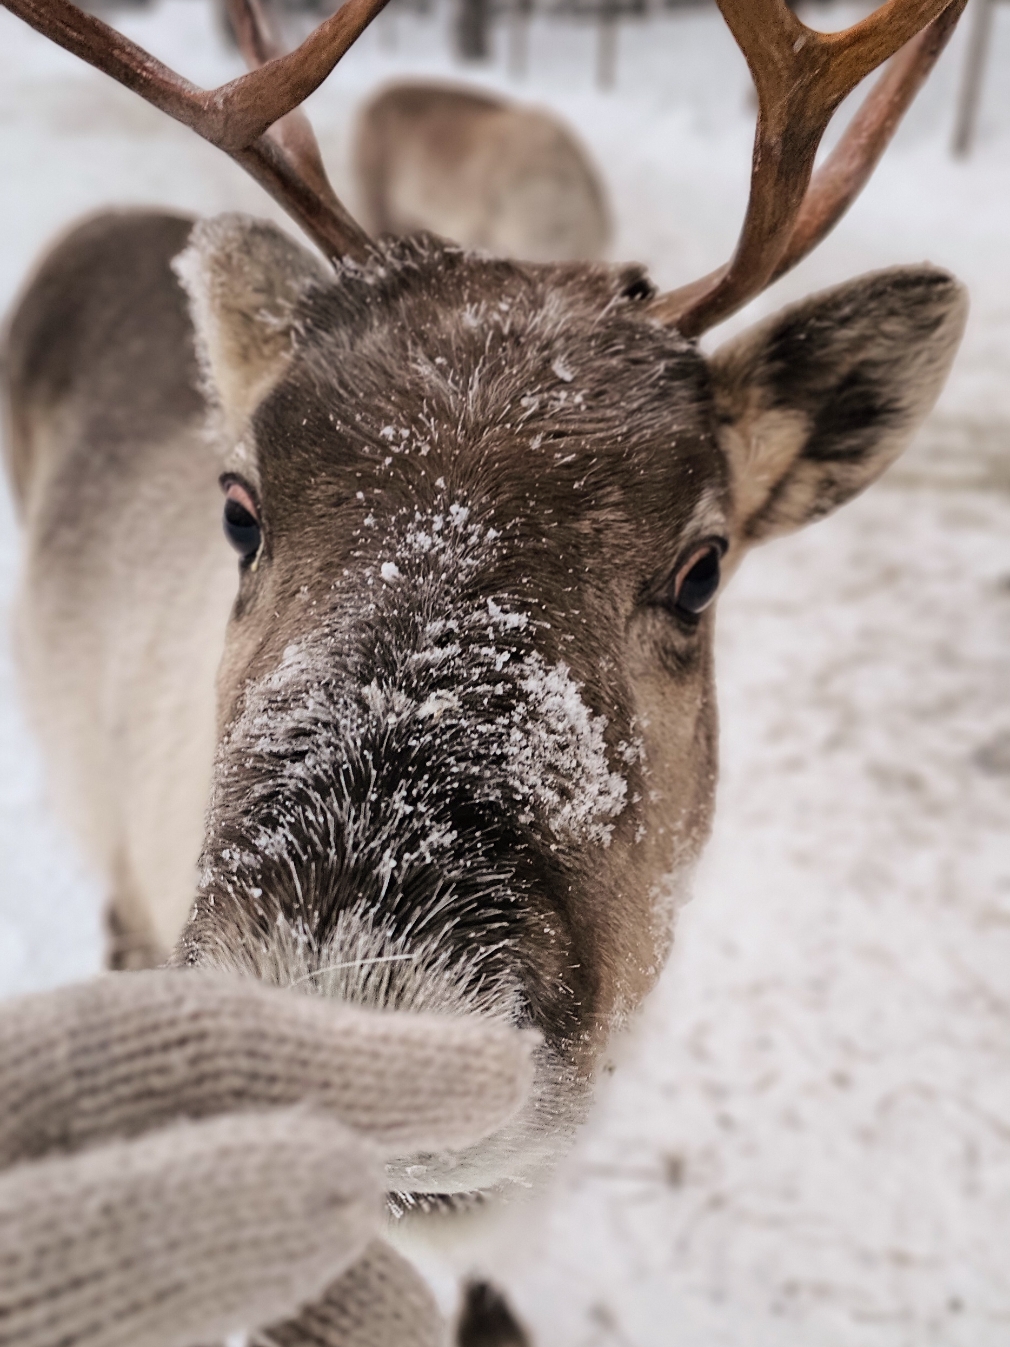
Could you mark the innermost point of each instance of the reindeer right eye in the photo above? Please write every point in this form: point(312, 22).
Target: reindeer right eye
point(696, 582)
point(241, 527)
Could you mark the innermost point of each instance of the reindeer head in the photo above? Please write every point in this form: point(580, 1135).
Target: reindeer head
point(466, 710)
point(467, 715)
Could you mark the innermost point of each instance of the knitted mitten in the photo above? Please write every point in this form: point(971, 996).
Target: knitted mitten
point(379, 1302)
point(185, 1156)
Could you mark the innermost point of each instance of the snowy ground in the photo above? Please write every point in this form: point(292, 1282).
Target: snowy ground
point(808, 1139)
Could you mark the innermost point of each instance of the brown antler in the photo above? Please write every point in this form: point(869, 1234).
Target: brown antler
point(238, 116)
point(293, 132)
point(801, 77)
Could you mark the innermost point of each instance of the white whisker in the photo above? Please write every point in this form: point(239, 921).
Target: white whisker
point(354, 963)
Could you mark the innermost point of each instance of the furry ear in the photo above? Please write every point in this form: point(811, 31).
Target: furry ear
point(245, 279)
point(817, 401)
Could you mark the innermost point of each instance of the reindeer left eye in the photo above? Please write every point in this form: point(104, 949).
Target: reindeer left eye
point(697, 579)
point(241, 526)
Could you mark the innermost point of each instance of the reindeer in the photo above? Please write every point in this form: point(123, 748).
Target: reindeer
point(444, 738)
point(480, 170)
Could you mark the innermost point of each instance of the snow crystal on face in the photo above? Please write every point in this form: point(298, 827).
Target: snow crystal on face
point(483, 700)
point(509, 621)
point(554, 746)
point(436, 705)
point(565, 743)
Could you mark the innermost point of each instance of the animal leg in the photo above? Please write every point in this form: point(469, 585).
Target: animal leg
point(486, 1319)
point(130, 942)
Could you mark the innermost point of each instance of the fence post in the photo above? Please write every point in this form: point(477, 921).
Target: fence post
point(971, 80)
point(473, 22)
point(606, 47)
point(519, 37)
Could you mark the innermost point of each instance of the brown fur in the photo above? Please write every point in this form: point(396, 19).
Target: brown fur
point(465, 745)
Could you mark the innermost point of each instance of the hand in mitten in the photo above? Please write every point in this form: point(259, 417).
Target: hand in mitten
point(183, 1156)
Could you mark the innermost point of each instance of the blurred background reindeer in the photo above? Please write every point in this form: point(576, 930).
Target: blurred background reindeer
point(479, 169)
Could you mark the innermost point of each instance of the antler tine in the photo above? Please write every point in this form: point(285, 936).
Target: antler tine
point(845, 172)
point(293, 133)
point(237, 116)
point(256, 39)
point(801, 76)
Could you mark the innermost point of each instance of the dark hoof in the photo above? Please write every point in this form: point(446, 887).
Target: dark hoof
point(126, 948)
point(486, 1320)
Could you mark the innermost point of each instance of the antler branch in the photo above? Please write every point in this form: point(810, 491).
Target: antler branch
point(801, 76)
point(845, 172)
point(237, 116)
point(293, 132)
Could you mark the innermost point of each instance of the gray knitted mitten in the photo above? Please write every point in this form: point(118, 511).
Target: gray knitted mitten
point(184, 1156)
point(379, 1302)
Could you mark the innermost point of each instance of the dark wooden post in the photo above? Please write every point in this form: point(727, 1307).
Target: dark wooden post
point(971, 80)
point(386, 24)
point(606, 47)
point(473, 24)
point(520, 13)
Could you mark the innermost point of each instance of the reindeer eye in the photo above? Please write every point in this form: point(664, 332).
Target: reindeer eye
point(241, 527)
point(697, 580)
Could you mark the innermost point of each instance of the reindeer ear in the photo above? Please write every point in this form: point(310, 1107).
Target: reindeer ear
point(816, 402)
point(245, 279)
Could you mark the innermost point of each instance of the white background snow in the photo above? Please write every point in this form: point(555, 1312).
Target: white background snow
point(807, 1140)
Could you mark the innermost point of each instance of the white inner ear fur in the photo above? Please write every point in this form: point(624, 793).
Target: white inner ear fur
point(244, 279)
point(761, 447)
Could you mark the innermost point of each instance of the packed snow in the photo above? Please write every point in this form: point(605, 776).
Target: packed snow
point(806, 1139)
